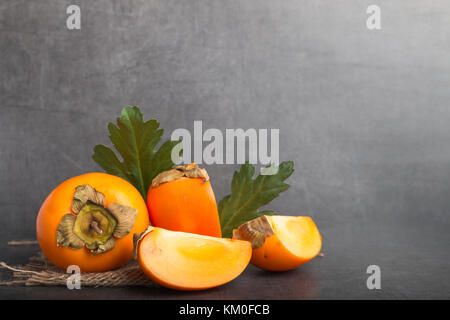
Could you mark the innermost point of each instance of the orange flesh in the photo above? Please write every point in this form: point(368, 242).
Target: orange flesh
point(295, 241)
point(187, 261)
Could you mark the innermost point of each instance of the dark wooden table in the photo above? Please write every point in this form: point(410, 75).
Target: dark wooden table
point(414, 262)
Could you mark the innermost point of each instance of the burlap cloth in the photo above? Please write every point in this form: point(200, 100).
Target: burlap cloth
point(40, 272)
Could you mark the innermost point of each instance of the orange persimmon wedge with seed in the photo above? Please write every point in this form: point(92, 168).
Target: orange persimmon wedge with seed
point(280, 243)
point(187, 261)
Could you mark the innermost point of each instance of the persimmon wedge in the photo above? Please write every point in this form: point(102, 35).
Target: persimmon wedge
point(187, 261)
point(280, 243)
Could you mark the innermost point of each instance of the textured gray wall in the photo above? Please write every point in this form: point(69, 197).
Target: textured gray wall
point(365, 115)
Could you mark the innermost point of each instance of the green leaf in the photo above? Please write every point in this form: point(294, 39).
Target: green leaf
point(135, 141)
point(248, 195)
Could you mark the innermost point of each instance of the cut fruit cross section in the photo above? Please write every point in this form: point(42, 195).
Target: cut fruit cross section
point(280, 243)
point(186, 261)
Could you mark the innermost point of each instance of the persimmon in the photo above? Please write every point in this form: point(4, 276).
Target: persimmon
point(181, 199)
point(280, 243)
point(187, 261)
point(89, 221)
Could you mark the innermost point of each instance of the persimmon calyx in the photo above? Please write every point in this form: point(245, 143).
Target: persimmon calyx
point(92, 224)
point(86, 193)
point(189, 171)
point(255, 231)
point(137, 237)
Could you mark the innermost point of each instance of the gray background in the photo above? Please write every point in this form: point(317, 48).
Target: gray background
point(364, 115)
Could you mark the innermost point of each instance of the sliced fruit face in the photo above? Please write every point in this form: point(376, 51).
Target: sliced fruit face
point(187, 261)
point(298, 234)
point(281, 243)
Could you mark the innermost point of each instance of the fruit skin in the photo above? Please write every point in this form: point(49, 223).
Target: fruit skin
point(274, 254)
point(185, 204)
point(152, 256)
point(58, 203)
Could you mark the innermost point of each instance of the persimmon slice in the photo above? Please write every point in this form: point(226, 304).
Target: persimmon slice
point(280, 243)
point(187, 261)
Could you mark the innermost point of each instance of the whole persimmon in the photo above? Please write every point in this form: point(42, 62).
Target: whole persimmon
point(89, 221)
point(182, 199)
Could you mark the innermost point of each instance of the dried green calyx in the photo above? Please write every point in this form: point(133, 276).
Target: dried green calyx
point(189, 171)
point(137, 237)
point(92, 225)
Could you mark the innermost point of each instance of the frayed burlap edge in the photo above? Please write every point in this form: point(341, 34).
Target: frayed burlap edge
point(39, 272)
